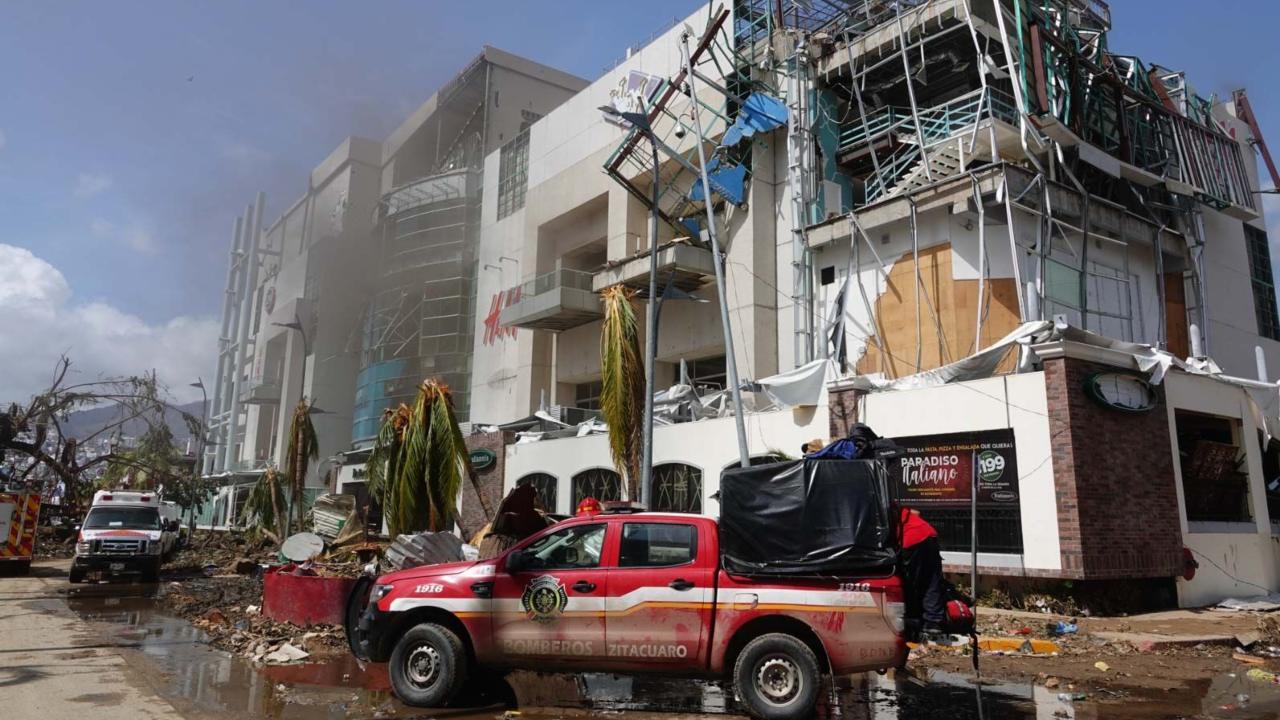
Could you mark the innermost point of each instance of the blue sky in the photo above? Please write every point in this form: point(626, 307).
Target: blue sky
point(132, 133)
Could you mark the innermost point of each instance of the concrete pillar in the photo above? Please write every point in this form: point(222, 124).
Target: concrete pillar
point(249, 273)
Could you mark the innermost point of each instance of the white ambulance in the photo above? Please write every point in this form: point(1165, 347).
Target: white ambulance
point(124, 534)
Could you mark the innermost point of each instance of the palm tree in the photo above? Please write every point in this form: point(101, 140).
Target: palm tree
point(418, 462)
point(264, 504)
point(622, 394)
point(303, 448)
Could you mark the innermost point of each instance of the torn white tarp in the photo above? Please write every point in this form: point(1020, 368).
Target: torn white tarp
point(974, 367)
point(801, 386)
point(1262, 603)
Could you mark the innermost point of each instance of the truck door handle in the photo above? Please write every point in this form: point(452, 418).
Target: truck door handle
point(680, 584)
point(583, 586)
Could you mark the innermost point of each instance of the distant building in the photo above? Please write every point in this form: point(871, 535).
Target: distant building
point(363, 286)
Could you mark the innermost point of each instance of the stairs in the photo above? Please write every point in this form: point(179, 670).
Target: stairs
point(943, 161)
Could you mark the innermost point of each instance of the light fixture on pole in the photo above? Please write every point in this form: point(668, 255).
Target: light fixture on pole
point(203, 462)
point(296, 324)
point(640, 121)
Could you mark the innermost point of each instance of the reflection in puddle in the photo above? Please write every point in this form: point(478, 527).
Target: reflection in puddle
point(196, 677)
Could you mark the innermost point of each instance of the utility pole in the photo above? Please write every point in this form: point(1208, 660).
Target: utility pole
point(717, 260)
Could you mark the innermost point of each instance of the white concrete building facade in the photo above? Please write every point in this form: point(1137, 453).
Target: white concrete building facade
point(963, 210)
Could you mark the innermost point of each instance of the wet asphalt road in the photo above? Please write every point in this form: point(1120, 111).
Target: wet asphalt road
point(145, 663)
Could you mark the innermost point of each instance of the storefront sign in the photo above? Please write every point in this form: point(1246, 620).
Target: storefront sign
point(1121, 391)
point(940, 470)
point(482, 458)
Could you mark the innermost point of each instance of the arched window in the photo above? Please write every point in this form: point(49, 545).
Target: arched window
point(600, 483)
point(677, 488)
point(545, 485)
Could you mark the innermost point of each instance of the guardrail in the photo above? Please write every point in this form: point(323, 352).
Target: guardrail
point(560, 277)
point(937, 123)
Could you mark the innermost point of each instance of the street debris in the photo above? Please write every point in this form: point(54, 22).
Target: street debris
point(301, 547)
point(1263, 676)
point(331, 514)
point(1264, 603)
point(1064, 628)
point(284, 654)
point(424, 548)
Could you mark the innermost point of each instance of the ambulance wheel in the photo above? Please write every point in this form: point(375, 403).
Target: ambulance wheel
point(75, 576)
point(428, 666)
point(22, 567)
point(777, 678)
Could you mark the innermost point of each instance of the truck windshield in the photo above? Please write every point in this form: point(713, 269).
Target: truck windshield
point(134, 518)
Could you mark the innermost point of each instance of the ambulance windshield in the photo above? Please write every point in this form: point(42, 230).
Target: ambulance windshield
point(133, 518)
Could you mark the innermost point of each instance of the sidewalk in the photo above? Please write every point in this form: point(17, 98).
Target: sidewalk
point(53, 667)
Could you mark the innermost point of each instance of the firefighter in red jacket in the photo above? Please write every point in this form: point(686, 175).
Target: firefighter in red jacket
point(921, 562)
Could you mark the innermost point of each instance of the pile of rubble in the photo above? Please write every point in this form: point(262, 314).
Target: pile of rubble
point(219, 552)
point(55, 542)
point(229, 610)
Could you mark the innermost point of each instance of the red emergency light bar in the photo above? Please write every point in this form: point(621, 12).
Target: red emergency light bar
point(108, 497)
point(620, 507)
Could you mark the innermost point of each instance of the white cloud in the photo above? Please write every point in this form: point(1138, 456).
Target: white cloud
point(39, 321)
point(91, 184)
point(141, 241)
point(134, 237)
point(102, 228)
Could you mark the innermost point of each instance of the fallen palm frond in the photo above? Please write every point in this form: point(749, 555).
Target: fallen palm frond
point(418, 463)
point(303, 448)
point(622, 392)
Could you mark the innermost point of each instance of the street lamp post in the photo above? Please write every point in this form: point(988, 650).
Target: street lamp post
point(717, 260)
point(640, 122)
point(296, 324)
point(205, 412)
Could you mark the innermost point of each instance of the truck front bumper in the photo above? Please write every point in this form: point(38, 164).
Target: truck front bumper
point(372, 632)
point(117, 564)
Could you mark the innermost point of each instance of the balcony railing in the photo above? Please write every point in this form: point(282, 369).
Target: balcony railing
point(262, 392)
point(558, 278)
point(554, 301)
point(936, 123)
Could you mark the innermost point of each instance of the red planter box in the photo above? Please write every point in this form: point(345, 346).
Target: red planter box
point(304, 599)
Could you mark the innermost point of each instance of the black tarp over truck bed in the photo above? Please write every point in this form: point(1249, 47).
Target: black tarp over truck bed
point(807, 517)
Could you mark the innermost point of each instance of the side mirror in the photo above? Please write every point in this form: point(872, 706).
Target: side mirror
point(517, 561)
point(173, 526)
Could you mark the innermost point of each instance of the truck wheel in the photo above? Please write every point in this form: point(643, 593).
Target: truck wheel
point(151, 574)
point(75, 576)
point(428, 666)
point(777, 678)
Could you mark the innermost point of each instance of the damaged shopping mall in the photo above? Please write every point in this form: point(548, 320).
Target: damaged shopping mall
point(975, 225)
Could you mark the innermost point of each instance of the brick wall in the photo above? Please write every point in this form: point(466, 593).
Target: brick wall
point(1113, 473)
point(487, 483)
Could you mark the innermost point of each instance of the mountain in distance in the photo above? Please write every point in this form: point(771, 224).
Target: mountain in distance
point(83, 423)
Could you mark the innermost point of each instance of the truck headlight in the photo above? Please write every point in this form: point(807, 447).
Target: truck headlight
point(379, 592)
point(154, 547)
point(83, 548)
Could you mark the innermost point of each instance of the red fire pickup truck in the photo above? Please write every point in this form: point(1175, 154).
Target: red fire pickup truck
point(634, 592)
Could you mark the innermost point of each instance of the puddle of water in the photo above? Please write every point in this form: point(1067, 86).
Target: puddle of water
point(196, 677)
